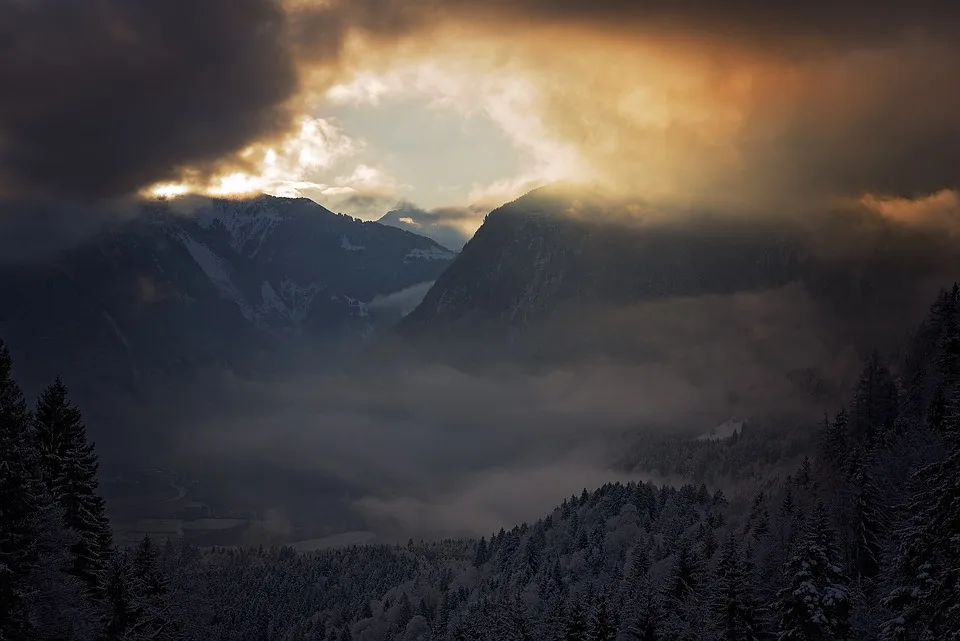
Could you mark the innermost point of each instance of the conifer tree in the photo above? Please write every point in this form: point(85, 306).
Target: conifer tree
point(684, 576)
point(554, 623)
point(600, 624)
point(57, 608)
point(576, 622)
point(875, 402)
point(948, 352)
point(152, 593)
point(835, 443)
point(926, 576)
point(482, 553)
point(639, 621)
point(124, 605)
point(869, 521)
point(733, 608)
point(814, 605)
point(516, 628)
point(70, 471)
point(21, 504)
point(636, 575)
point(805, 473)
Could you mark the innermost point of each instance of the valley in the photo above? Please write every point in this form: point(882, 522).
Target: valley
point(577, 426)
point(439, 320)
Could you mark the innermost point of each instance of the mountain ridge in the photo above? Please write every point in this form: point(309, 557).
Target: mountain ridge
point(243, 285)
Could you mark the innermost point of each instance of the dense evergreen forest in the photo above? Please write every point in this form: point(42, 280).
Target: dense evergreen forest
point(860, 539)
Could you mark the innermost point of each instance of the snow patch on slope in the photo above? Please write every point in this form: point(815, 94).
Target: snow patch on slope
point(291, 303)
point(246, 225)
point(348, 246)
point(213, 266)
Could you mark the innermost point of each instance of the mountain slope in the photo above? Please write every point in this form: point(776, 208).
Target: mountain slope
point(532, 256)
point(237, 284)
point(554, 255)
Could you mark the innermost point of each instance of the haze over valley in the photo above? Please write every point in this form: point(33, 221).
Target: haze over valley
point(429, 321)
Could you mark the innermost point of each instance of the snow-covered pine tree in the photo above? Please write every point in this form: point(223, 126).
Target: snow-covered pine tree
point(925, 597)
point(124, 607)
point(21, 503)
point(875, 403)
point(804, 473)
point(639, 620)
point(636, 575)
point(151, 590)
point(835, 442)
point(553, 627)
point(869, 522)
point(685, 575)
point(601, 624)
point(948, 349)
point(482, 553)
point(58, 608)
point(733, 608)
point(70, 471)
point(815, 604)
point(576, 628)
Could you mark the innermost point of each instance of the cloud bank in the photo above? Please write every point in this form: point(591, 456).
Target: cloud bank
point(742, 102)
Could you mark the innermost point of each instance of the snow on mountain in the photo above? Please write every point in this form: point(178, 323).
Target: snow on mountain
point(225, 283)
point(292, 302)
point(213, 266)
point(247, 223)
point(348, 246)
point(257, 253)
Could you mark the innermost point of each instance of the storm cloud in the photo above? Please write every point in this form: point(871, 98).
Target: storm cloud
point(105, 98)
point(102, 98)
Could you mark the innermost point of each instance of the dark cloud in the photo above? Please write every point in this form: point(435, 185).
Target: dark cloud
point(845, 24)
point(103, 97)
point(844, 98)
point(882, 122)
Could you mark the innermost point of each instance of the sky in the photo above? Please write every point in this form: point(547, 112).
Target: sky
point(362, 104)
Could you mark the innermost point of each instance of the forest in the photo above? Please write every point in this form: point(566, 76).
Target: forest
point(849, 531)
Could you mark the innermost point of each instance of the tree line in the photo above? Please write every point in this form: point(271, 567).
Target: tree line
point(857, 541)
point(61, 577)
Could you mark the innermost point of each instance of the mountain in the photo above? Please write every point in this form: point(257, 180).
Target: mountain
point(439, 225)
point(532, 257)
point(232, 284)
point(555, 256)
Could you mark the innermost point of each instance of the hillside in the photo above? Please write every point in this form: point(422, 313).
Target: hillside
point(854, 543)
point(830, 548)
point(240, 285)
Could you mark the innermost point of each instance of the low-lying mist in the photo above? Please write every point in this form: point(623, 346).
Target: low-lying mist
point(414, 447)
